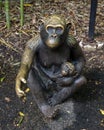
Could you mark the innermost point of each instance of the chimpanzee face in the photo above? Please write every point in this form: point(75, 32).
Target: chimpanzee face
point(53, 31)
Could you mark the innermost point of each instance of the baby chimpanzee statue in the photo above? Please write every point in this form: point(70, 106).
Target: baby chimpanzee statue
point(42, 65)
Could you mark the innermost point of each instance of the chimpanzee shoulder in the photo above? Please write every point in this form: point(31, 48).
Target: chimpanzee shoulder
point(34, 43)
point(71, 41)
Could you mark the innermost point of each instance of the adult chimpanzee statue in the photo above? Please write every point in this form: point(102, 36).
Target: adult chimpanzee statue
point(41, 63)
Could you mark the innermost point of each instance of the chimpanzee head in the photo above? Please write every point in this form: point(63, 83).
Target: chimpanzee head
point(67, 68)
point(54, 31)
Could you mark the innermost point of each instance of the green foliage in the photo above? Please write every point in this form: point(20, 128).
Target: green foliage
point(22, 12)
point(7, 13)
point(0, 4)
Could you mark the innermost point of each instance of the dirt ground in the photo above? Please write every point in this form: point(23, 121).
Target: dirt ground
point(88, 103)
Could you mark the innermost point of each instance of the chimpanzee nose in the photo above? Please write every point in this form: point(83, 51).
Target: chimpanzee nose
point(54, 35)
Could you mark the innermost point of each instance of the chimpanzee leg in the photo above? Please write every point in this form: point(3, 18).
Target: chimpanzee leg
point(67, 91)
point(38, 94)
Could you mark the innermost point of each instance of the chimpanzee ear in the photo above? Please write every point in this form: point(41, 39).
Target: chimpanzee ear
point(41, 26)
point(68, 26)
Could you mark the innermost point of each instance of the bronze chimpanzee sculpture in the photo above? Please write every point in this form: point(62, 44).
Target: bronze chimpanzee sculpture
point(42, 65)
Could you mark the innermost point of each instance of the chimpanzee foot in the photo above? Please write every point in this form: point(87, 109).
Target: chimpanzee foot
point(80, 81)
point(48, 111)
point(53, 100)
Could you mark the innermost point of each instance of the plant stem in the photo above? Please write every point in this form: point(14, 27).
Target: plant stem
point(22, 12)
point(0, 4)
point(0, 7)
point(7, 13)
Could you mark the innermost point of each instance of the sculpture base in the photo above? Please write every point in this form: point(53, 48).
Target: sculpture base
point(65, 118)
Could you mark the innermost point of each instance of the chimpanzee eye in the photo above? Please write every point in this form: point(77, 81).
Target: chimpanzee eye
point(50, 29)
point(59, 30)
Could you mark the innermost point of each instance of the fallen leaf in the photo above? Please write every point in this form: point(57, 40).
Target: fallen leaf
point(21, 114)
point(27, 90)
point(2, 79)
point(7, 99)
point(102, 122)
point(102, 111)
point(27, 5)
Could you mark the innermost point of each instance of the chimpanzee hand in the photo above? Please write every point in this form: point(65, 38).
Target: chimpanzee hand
point(53, 100)
point(19, 80)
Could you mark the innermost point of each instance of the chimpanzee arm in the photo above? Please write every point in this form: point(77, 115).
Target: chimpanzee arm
point(77, 55)
point(77, 58)
point(26, 62)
